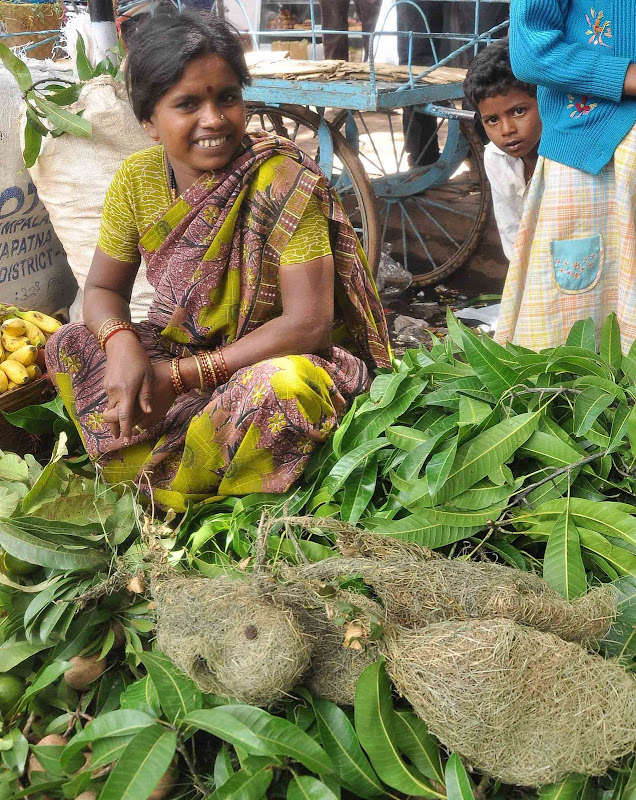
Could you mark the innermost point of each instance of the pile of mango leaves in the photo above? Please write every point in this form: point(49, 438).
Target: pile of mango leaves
point(469, 448)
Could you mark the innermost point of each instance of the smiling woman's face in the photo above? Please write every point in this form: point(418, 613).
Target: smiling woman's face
point(201, 119)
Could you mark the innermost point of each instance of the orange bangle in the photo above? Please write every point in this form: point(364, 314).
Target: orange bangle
point(197, 362)
point(226, 374)
point(175, 377)
point(207, 365)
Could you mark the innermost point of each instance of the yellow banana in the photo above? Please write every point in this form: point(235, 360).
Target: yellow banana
point(33, 371)
point(13, 385)
point(25, 355)
point(4, 382)
point(45, 323)
point(15, 371)
point(34, 334)
point(13, 343)
point(14, 327)
point(2, 355)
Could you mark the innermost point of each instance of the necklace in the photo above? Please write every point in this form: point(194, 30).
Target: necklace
point(173, 183)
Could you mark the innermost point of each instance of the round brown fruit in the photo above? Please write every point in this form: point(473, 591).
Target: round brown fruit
point(52, 740)
point(166, 784)
point(84, 670)
point(11, 690)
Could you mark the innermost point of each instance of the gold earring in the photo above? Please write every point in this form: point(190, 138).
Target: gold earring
point(222, 117)
point(144, 124)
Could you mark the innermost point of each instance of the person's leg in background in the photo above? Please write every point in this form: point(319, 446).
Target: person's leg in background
point(368, 13)
point(420, 130)
point(335, 17)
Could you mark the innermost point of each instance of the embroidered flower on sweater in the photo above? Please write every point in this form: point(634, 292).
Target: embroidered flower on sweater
point(597, 28)
point(581, 106)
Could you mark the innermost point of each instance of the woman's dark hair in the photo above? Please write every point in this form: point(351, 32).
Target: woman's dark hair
point(490, 74)
point(165, 43)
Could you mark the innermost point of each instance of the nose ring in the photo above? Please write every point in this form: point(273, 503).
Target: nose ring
point(222, 117)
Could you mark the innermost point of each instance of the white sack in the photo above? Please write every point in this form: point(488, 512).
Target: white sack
point(72, 175)
point(33, 269)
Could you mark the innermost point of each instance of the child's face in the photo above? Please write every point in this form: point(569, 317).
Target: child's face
point(512, 122)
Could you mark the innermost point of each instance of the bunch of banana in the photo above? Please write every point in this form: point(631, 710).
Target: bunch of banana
point(22, 335)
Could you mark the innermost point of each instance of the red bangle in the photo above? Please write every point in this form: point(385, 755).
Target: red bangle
point(175, 377)
point(122, 326)
point(207, 366)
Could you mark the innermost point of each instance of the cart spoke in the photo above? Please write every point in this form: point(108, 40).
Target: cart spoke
point(420, 239)
point(372, 142)
point(444, 207)
point(437, 224)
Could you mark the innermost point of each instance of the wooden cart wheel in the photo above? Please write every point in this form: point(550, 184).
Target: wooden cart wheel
point(432, 216)
point(347, 173)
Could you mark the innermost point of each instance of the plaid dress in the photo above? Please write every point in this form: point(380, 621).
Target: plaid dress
point(575, 253)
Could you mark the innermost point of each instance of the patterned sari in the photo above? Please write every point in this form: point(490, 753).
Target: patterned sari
point(213, 259)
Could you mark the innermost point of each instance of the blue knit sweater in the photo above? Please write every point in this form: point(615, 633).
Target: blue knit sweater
point(577, 51)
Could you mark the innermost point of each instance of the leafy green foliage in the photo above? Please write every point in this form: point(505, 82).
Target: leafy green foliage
point(526, 458)
point(45, 99)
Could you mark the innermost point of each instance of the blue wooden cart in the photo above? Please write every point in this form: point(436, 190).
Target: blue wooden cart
point(431, 214)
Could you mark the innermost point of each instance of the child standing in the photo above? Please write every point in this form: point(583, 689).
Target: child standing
point(575, 255)
point(509, 113)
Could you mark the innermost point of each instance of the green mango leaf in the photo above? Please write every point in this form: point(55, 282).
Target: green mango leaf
point(32, 145)
point(16, 67)
point(14, 653)
point(359, 490)
point(406, 438)
point(64, 96)
point(484, 495)
point(177, 693)
point(142, 765)
point(439, 467)
point(348, 463)
point(64, 120)
point(631, 430)
point(588, 406)
point(283, 737)
point(368, 426)
point(84, 70)
point(582, 335)
point(13, 468)
point(550, 450)
point(609, 519)
point(492, 370)
point(458, 785)
point(340, 742)
point(223, 769)
point(577, 362)
point(375, 726)
point(563, 564)
point(244, 785)
point(230, 729)
point(27, 547)
point(611, 343)
point(122, 722)
point(477, 458)
point(141, 695)
point(106, 751)
point(621, 560)
point(413, 528)
point(14, 758)
point(417, 744)
point(304, 787)
point(46, 677)
point(471, 411)
point(568, 789)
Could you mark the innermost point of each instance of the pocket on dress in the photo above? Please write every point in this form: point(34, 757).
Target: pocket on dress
point(577, 263)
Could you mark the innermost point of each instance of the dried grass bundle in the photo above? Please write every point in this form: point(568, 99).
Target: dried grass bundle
point(334, 668)
point(418, 592)
point(230, 639)
point(521, 705)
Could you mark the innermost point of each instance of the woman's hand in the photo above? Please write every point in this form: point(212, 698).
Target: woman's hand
point(163, 396)
point(128, 382)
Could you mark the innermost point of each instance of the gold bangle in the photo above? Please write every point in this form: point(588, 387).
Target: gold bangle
point(200, 371)
point(105, 323)
point(208, 370)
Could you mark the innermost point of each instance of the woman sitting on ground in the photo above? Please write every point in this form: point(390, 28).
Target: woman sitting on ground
point(265, 321)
